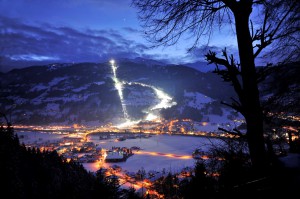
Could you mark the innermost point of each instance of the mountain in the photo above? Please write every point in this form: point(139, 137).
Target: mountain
point(86, 93)
point(201, 66)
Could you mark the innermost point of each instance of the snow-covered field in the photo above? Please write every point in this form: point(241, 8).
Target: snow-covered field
point(171, 152)
point(158, 152)
point(38, 137)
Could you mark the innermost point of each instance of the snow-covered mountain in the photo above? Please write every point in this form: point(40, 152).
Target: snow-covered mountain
point(86, 93)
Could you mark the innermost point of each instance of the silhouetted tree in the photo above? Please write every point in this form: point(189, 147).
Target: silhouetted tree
point(200, 184)
point(113, 184)
point(130, 194)
point(168, 186)
point(165, 22)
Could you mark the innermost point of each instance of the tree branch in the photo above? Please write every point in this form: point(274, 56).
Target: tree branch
point(229, 75)
point(237, 133)
point(266, 36)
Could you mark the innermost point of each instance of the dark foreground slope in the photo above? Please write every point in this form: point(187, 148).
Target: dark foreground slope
point(30, 173)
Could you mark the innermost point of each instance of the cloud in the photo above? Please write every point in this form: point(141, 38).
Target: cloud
point(24, 44)
point(46, 43)
point(131, 30)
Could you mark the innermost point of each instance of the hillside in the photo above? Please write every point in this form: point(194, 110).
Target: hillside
point(85, 93)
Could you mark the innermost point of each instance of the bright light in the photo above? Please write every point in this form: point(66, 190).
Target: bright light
point(119, 87)
point(128, 123)
point(151, 117)
point(204, 123)
point(165, 100)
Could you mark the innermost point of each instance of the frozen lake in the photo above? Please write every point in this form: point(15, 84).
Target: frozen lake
point(29, 137)
point(158, 152)
point(172, 152)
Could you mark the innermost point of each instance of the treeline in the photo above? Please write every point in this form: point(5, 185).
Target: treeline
point(31, 173)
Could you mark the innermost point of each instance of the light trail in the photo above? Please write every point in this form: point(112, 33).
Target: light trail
point(165, 100)
point(119, 87)
point(169, 155)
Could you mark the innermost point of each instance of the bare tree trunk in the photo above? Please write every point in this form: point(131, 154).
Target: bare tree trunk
point(250, 97)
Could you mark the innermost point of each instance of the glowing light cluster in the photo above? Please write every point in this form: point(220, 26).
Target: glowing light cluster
point(151, 117)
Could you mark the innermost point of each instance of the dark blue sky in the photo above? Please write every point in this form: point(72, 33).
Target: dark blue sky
point(45, 31)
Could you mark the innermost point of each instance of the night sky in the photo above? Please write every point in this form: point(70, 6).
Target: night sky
point(37, 32)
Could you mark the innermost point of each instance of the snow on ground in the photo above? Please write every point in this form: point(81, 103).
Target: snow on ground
point(39, 87)
point(99, 83)
point(78, 89)
point(162, 146)
point(198, 99)
point(216, 121)
point(38, 137)
point(51, 109)
point(136, 98)
point(169, 152)
point(56, 80)
point(66, 98)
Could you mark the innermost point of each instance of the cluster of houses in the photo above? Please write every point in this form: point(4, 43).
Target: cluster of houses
point(73, 148)
point(119, 154)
